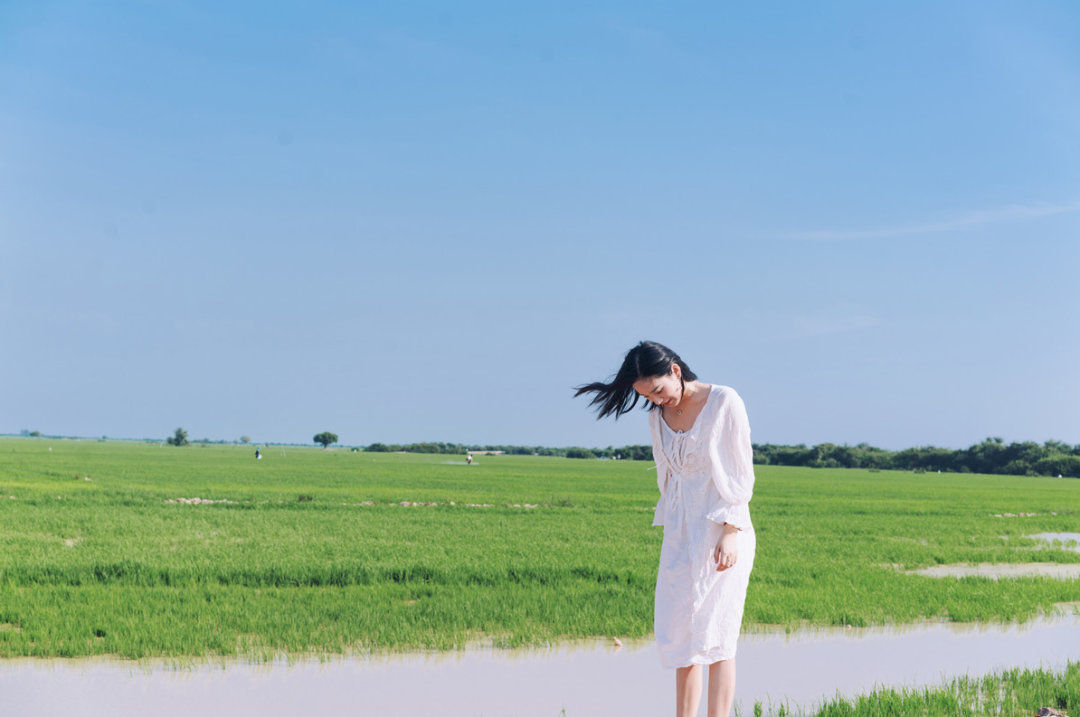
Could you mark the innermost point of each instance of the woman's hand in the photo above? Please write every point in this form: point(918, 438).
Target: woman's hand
point(727, 548)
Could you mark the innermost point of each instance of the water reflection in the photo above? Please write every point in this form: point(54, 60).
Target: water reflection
point(589, 678)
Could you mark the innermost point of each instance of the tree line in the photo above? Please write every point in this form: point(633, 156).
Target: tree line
point(993, 455)
point(624, 453)
point(1052, 458)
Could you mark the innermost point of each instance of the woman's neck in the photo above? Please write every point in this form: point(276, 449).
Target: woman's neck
point(692, 389)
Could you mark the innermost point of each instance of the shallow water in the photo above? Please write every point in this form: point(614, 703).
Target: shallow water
point(1063, 571)
point(1066, 538)
point(587, 679)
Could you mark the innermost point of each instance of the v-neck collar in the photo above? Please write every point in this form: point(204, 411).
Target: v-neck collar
point(663, 420)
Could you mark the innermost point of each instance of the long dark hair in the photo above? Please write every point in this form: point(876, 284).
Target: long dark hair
point(646, 360)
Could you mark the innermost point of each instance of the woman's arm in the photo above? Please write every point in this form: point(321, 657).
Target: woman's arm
point(733, 464)
point(661, 468)
point(661, 479)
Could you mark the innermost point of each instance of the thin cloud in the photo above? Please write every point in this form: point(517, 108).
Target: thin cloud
point(1015, 211)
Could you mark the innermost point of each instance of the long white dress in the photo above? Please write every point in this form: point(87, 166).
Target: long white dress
point(706, 478)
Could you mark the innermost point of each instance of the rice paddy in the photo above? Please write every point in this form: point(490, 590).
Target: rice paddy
point(332, 552)
point(1013, 693)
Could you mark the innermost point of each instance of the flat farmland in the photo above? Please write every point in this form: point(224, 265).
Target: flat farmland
point(314, 552)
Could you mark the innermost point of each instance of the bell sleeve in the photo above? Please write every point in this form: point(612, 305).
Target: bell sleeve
point(661, 470)
point(658, 513)
point(732, 458)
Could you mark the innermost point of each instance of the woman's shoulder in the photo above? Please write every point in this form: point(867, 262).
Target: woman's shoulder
point(727, 398)
point(725, 391)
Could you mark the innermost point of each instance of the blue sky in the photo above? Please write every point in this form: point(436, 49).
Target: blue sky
point(428, 221)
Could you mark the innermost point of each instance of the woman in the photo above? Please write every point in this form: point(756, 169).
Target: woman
point(705, 471)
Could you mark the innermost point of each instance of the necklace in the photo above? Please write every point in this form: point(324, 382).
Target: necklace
point(682, 395)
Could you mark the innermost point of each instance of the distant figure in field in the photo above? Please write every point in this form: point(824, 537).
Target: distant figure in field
point(468, 458)
point(705, 472)
point(258, 456)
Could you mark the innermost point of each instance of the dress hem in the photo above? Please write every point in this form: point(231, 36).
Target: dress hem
point(699, 659)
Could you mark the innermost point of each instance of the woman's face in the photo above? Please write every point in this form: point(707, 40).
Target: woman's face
point(663, 390)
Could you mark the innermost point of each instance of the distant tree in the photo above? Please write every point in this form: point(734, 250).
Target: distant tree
point(423, 448)
point(378, 448)
point(35, 434)
point(1059, 465)
point(635, 453)
point(579, 453)
point(325, 438)
point(179, 439)
point(245, 439)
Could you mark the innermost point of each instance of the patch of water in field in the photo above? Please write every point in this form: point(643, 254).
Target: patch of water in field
point(1066, 571)
point(1063, 571)
point(1070, 541)
point(587, 679)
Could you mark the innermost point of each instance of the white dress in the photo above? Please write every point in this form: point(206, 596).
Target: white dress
point(706, 478)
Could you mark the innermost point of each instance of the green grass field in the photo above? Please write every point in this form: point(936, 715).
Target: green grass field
point(1012, 693)
point(106, 566)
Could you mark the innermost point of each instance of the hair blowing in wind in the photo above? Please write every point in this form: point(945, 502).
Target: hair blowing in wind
point(646, 360)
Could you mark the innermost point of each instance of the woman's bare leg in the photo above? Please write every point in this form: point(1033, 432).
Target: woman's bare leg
point(721, 688)
point(687, 690)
